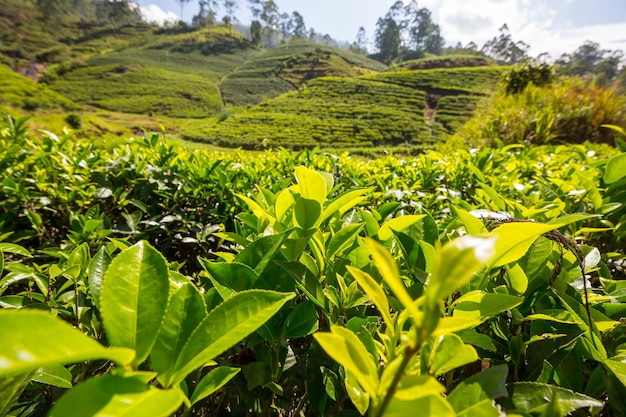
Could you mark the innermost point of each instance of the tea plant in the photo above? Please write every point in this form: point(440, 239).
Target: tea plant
point(480, 282)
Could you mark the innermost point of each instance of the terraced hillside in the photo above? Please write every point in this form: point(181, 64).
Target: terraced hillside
point(283, 69)
point(22, 93)
point(174, 76)
point(392, 108)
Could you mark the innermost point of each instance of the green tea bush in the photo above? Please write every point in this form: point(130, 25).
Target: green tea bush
point(456, 285)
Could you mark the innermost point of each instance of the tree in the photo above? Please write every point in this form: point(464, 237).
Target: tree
point(360, 45)
point(284, 24)
point(256, 8)
point(182, 2)
point(270, 14)
point(298, 26)
point(387, 39)
point(229, 9)
point(256, 32)
point(590, 59)
point(504, 49)
point(207, 14)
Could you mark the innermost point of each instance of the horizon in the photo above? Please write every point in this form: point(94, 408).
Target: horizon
point(556, 28)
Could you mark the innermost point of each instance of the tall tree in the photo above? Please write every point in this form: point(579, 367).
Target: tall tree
point(388, 38)
point(229, 9)
point(256, 32)
point(298, 26)
point(182, 2)
point(590, 59)
point(360, 45)
point(503, 49)
point(256, 7)
point(207, 14)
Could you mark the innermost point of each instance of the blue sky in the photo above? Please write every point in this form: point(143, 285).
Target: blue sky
point(554, 26)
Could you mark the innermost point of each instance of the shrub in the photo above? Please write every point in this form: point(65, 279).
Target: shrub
point(74, 121)
point(571, 110)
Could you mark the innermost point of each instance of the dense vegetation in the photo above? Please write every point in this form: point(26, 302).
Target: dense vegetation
point(142, 278)
point(341, 253)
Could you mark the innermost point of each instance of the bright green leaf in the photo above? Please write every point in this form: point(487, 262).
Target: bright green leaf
point(55, 375)
point(312, 184)
point(432, 405)
point(448, 352)
point(133, 298)
point(22, 350)
point(96, 271)
point(615, 169)
point(455, 263)
point(343, 239)
point(116, 395)
point(359, 397)
point(482, 306)
point(389, 271)
point(307, 213)
point(514, 240)
point(213, 381)
point(226, 325)
point(479, 390)
point(185, 311)
point(398, 224)
point(13, 248)
point(345, 347)
point(533, 397)
point(375, 291)
point(345, 202)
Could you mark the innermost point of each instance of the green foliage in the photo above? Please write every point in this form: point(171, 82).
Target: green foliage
point(22, 93)
point(286, 67)
point(393, 108)
point(493, 277)
point(518, 78)
point(570, 110)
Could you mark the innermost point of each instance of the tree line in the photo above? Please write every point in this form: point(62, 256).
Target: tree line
point(405, 32)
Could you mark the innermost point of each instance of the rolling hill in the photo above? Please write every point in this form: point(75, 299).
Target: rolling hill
point(213, 86)
point(411, 108)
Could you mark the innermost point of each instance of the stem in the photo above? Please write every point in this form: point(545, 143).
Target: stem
point(408, 355)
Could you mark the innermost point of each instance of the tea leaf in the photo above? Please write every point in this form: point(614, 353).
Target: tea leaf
point(301, 321)
point(23, 351)
point(225, 325)
point(55, 375)
point(184, 313)
point(116, 395)
point(615, 169)
point(398, 224)
point(447, 352)
point(345, 347)
point(514, 240)
point(133, 299)
point(475, 395)
point(213, 381)
point(375, 291)
point(312, 184)
point(432, 405)
point(481, 306)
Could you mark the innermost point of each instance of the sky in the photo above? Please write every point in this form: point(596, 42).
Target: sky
point(552, 26)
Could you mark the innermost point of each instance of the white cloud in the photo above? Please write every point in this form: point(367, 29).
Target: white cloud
point(154, 14)
point(529, 21)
